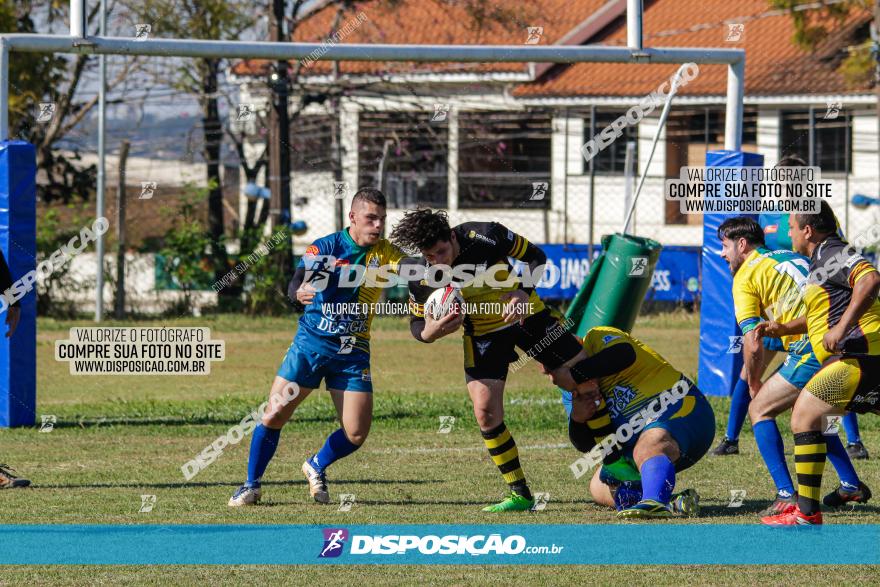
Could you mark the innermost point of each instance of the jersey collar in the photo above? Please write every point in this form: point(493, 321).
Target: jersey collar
point(350, 241)
point(830, 240)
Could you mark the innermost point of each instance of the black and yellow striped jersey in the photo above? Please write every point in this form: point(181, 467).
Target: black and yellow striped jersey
point(835, 268)
point(484, 245)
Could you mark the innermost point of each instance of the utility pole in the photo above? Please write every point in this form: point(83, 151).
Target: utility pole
point(119, 302)
point(279, 129)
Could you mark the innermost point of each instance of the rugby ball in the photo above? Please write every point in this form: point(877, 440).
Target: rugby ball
point(443, 301)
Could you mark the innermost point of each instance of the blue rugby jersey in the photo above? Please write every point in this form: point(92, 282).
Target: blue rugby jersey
point(322, 327)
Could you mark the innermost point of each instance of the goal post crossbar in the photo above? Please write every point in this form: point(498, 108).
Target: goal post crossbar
point(733, 58)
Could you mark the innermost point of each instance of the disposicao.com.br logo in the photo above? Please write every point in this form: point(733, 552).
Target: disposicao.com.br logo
point(431, 544)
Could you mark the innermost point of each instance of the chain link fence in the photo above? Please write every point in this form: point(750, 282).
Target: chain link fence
point(523, 167)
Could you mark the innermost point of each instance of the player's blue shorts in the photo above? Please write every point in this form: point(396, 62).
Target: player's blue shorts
point(690, 421)
point(798, 368)
point(306, 368)
point(773, 344)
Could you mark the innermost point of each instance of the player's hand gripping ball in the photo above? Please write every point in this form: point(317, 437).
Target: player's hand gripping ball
point(444, 301)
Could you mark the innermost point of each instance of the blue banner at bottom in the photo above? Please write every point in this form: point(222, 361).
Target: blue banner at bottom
point(630, 544)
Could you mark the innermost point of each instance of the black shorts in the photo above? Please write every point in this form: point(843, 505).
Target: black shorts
point(543, 337)
point(849, 383)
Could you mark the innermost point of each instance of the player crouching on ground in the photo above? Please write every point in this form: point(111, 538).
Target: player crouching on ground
point(843, 322)
point(658, 418)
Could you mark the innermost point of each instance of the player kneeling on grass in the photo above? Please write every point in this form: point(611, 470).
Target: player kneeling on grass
point(499, 319)
point(768, 283)
point(657, 418)
point(332, 344)
point(842, 319)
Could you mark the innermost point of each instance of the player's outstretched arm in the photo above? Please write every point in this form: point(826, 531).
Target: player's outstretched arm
point(520, 248)
point(778, 330)
point(608, 361)
point(864, 293)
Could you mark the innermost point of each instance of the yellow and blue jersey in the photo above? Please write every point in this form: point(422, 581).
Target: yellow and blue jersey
point(629, 390)
point(769, 286)
point(329, 326)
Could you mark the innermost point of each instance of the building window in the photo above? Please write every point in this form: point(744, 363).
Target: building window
point(504, 159)
point(690, 134)
point(312, 143)
point(831, 142)
point(612, 159)
point(406, 156)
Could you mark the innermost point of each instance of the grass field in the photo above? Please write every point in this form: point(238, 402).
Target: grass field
point(118, 437)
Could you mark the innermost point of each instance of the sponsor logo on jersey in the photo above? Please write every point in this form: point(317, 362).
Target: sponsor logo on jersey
point(621, 396)
point(475, 235)
point(608, 338)
point(312, 250)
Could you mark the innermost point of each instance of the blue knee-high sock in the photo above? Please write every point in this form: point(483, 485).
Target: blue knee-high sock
point(335, 447)
point(851, 427)
point(773, 452)
point(739, 407)
point(842, 464)
point(263, 446)
point(658, 479)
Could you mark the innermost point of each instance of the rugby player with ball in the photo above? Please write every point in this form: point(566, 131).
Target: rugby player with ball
point(503, 312)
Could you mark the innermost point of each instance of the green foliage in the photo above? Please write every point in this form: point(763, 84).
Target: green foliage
point(266, 272)
point(53, 291)
point(32, 76)
point(186, 245)
point(810, 31)
point(858, 68)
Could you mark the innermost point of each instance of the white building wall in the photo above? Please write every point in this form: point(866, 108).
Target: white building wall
point(865, 171)
point(570, 185)
point(768, 135)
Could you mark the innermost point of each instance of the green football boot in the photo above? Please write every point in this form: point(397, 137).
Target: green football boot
point(514, 502)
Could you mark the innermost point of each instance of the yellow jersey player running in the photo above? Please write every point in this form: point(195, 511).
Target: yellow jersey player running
point(657, 417)
point(843, 322)
point(767, 286)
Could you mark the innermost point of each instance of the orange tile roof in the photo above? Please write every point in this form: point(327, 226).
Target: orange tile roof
point(435, 22)
point(774, 64)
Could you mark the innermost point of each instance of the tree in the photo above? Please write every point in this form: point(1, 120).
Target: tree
point(37, 78)
point(201, 77)
point(813, 26)
point(862, 63)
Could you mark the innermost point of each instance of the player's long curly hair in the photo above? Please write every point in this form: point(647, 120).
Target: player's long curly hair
point(421, 229)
